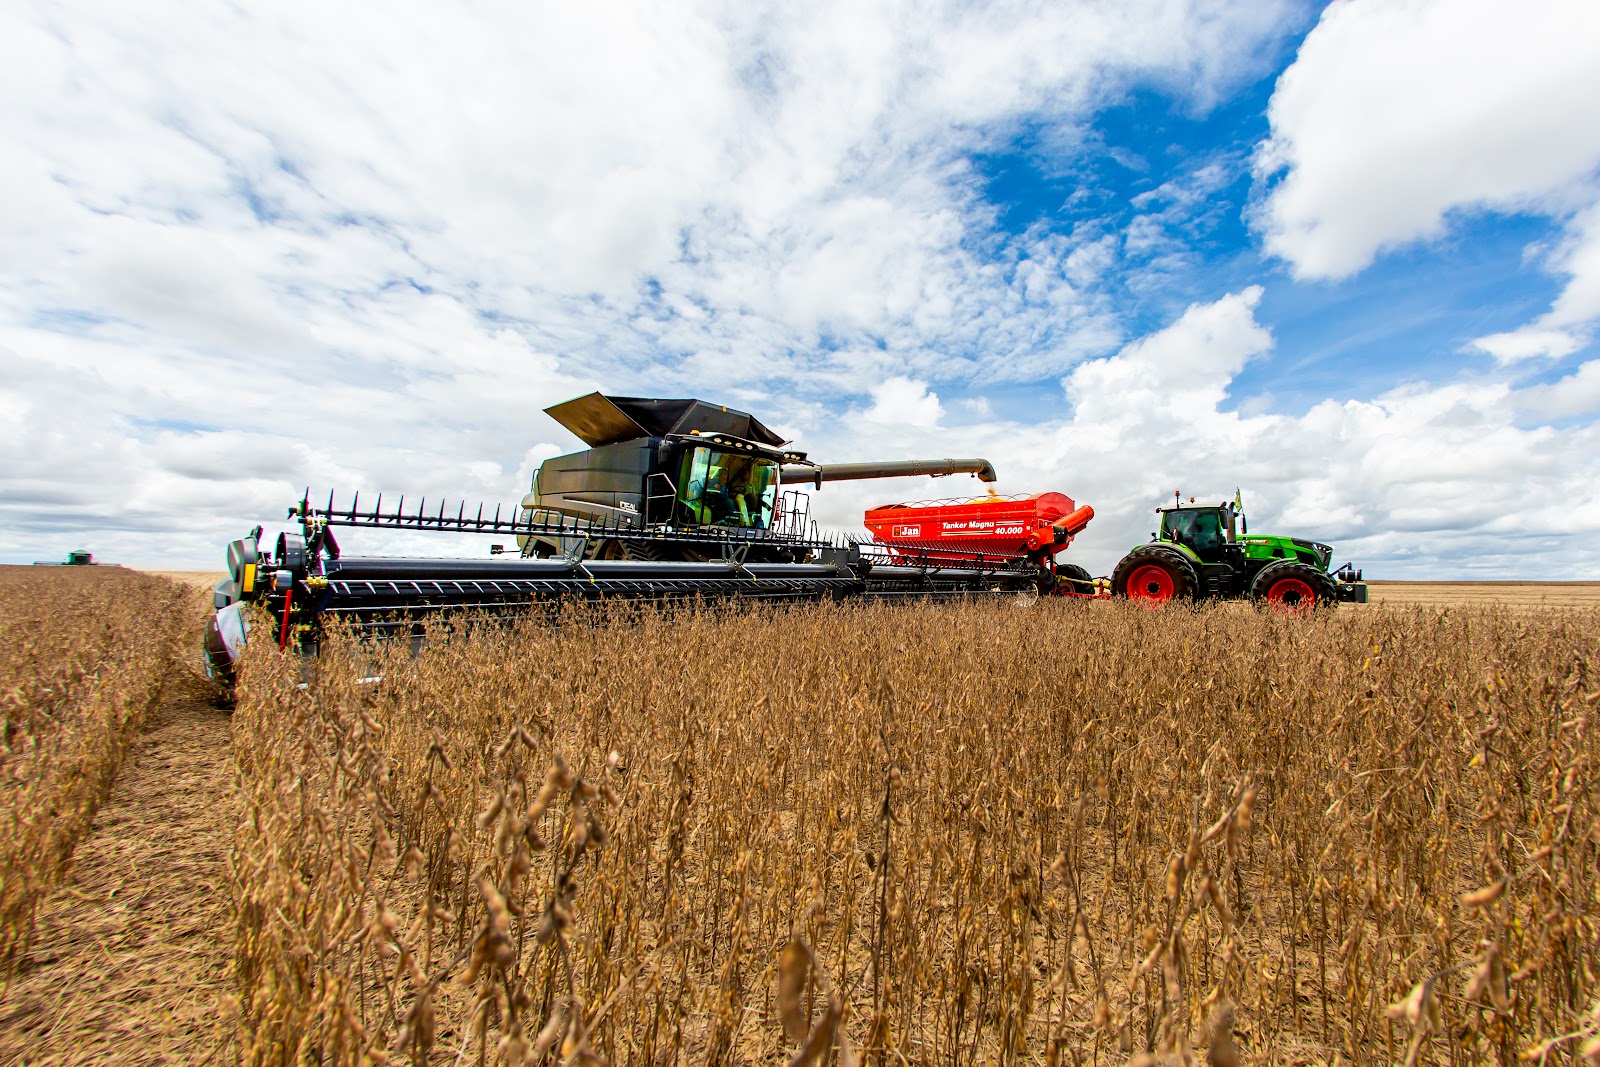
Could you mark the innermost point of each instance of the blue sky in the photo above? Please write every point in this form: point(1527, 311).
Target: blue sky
point(1345, 257)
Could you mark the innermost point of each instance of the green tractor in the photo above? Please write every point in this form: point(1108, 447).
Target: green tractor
point(1206, 550)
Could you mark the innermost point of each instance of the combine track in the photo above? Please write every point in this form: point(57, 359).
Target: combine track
point(130, 960)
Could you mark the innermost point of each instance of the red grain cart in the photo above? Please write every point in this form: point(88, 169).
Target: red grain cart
point(1037, 527)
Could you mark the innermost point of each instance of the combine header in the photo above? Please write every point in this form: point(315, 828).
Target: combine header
point(675, 499)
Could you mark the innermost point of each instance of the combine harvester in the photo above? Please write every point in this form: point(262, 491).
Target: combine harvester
point(673, 499)
point(679, 499)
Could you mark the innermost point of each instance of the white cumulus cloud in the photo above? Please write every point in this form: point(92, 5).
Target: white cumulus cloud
point(1398, 116)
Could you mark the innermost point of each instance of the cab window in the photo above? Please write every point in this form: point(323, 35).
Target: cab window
point(1199, 529)
point(726, 489)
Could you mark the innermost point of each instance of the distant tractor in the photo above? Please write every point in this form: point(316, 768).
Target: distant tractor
point(77, 557)
point(1206, 550)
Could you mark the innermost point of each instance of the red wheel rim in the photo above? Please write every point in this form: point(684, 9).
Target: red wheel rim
point(1151, 584)
point(1292, 596)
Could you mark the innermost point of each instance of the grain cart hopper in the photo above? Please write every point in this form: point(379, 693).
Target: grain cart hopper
point(1206, 550)
point(1038, 527)
point(676, 499)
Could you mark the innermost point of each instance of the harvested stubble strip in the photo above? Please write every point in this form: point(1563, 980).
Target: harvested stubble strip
point(86, 654)
point(1119, 833)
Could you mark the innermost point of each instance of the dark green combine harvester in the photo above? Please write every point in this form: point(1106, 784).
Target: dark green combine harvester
point(78, 557)
point(673, 499)
point(1206, 550)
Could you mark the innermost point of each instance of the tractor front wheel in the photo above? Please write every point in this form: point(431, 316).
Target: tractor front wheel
point(1153, 575)
point(1293, 588)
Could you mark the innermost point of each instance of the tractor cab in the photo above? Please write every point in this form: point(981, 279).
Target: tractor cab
point(1210, 531)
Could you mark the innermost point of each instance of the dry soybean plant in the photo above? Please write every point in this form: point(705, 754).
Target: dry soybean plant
point(86, 653)
point(975, 833)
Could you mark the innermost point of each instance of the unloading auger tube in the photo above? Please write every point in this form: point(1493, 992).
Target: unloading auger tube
point(904, 468)
point(304, 581)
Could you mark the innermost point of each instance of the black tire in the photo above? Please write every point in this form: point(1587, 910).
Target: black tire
point(608, 549)
point(1283, 586)
point(536, 548)
point(1182, 581)
point(644, 551)
point(1071, 578)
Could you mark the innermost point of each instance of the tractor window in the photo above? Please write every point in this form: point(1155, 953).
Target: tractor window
point(1198, 528)
point(727, 489)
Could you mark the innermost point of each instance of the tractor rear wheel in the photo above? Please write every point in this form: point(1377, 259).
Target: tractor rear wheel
point(1293, 588)
point(1153, 575)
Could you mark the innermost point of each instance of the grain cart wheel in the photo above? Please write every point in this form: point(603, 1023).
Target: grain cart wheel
point(1074, 579)
point(1293, 588)
point(1153, 575)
